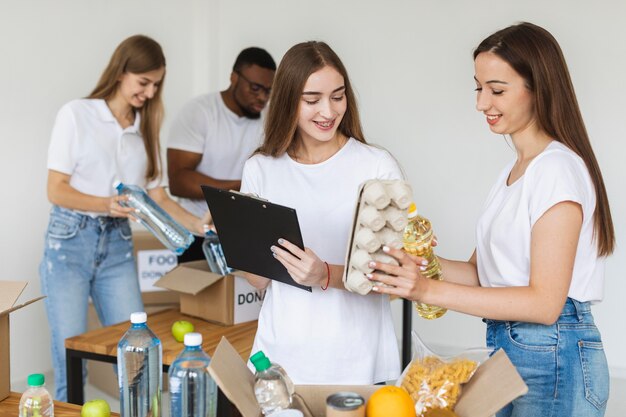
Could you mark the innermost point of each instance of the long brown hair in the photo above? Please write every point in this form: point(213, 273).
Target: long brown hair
point(138, 54)
point(537, 57)
point(294, 70)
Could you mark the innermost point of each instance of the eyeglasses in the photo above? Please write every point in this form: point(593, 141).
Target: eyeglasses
point(256, 88)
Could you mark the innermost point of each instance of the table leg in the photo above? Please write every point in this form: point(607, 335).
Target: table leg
point(407, 325)
point(74, 370)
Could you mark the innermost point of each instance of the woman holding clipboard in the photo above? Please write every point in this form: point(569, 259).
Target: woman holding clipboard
point(313, 159)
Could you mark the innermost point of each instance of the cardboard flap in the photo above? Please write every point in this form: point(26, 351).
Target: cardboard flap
point(189, 278)
point(495, 384)
point(10, 291)
point(234, 379)
point(17, 307)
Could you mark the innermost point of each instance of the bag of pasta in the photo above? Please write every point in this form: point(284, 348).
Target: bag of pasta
point(434, 381)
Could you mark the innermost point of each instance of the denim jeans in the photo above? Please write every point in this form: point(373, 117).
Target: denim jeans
point(563, 364)
point(85, 256)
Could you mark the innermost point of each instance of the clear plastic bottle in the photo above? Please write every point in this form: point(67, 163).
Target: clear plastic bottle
point(193, 393)
point(290, 387)
point(36, 400)
point(416, 239)
point(270, 386)
point(174, 236)
point(140, 370)
point(214, 254)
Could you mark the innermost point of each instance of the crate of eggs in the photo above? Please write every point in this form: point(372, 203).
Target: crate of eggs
point(379, 220)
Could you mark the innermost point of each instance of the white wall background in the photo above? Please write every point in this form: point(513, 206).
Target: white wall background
point(410, 62)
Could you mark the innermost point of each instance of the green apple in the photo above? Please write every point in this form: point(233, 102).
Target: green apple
point(95, 408)
point(180, 328)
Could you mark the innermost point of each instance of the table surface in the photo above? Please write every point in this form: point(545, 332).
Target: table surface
point(9, 407)
point(104, 341)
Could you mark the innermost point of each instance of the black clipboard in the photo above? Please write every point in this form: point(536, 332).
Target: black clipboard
point(247, 226)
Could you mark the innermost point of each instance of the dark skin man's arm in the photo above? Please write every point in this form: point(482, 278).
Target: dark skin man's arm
point(185, 181)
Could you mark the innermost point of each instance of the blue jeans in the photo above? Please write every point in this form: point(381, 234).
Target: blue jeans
point(84, 257)
point(563, 364)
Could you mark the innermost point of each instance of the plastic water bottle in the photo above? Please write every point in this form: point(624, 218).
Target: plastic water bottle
point(290, 387)
point(193, 393)
point(174, 236)
point(140, 370)
point(214, 254)
point(36, 400)
point(270, 386)
point(417, 240)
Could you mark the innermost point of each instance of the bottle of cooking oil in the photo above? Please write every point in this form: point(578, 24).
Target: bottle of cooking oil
point(416, 239)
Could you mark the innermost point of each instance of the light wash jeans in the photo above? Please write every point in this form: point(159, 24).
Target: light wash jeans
point(85, 257)
point(563, 364)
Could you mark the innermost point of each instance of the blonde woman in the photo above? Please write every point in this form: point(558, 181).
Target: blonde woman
point(110, 136)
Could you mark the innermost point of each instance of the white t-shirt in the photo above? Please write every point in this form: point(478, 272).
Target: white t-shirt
point(504, 230)
point(332, 336)
point(89, 144)
point(206, 126)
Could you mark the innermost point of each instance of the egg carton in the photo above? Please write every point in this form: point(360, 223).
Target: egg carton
point(379, 220)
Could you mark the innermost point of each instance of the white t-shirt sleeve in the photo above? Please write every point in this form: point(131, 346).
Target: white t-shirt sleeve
point(250, 177)
point(555, 178)
point(190, 128)
point(63, 142)
point(388, 168)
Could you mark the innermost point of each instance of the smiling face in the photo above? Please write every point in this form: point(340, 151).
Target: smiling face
point(502, 95)
point(322, 106)
point(136, 89)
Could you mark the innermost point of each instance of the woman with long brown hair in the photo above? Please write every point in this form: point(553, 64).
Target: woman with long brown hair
point(542, 239)
point(313, 159)
point(110, 136)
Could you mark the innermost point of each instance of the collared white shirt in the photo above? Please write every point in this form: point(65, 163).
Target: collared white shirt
point(89, 144)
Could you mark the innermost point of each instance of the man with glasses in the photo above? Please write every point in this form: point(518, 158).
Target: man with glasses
point(216, 133)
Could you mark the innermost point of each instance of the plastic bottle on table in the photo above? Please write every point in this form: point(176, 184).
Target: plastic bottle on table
point(140, 370)
point(174, 236)
point(417, 239)
point(36, 400)
point(193, 393)
point(273, 389)
point(214, 254)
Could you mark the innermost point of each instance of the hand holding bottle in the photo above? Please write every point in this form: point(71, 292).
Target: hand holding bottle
point(115, 209)
point(405, 280)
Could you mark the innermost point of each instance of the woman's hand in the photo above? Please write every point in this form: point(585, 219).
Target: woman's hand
point(203, 224)
point(303, 265)
point(405, 281)
point(115, 209)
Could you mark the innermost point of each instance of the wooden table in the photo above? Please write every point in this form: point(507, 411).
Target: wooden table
point(101, 345)
point(9, 407)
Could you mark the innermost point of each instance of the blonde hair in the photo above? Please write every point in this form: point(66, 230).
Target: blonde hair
point(137, 55)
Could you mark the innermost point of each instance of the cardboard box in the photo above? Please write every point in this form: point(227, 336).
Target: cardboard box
point(495, 384)
point(10, 291)
point(223, 299)
point(153, 261)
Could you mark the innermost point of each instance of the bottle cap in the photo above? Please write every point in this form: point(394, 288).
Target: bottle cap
point(261, 363)
point(257, 356)
point(118, 185)
point(193, 339)
point(138, 317)
point(412, 210)
point(36, 380)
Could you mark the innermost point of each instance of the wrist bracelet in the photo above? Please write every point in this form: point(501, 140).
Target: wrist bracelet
point(327, 278)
